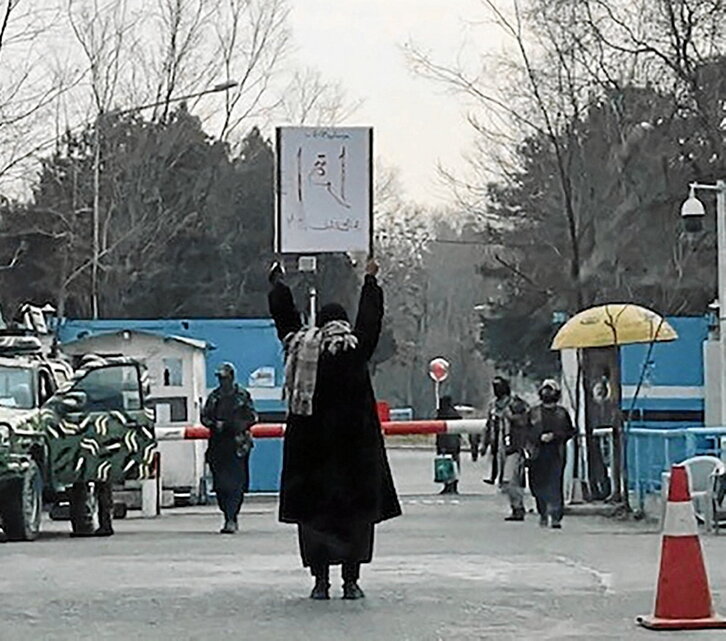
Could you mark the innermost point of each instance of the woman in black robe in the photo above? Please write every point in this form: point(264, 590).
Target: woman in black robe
point(336, 481)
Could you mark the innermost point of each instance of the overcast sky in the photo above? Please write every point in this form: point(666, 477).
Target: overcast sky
point(359, 43)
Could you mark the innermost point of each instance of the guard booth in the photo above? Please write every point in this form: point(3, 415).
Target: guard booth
point(594, 339)
point(601, 376)
point(658, 387)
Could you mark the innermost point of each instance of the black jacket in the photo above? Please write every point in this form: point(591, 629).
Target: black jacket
point(334, 462)
point(236, 411)
point(555, 419)
point(448, 443)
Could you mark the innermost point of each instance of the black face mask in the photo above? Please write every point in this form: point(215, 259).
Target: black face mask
point(549, 396)
point(501, 389)
point(226, 382)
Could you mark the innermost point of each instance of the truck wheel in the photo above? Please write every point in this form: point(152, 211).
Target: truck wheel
point(21, 505)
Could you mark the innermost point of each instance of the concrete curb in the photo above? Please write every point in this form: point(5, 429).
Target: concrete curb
point(592, 509)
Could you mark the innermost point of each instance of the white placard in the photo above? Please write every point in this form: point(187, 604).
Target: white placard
point(324, 189)
point(262, 377)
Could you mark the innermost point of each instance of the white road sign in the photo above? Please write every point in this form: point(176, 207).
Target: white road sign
point(324, 189)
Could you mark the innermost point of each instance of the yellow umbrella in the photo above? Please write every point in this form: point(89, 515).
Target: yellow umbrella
point(613, 324)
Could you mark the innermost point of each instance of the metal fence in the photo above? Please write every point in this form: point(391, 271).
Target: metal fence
point(653, 451)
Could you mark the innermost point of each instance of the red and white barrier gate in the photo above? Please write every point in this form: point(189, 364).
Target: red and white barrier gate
point(277, 430)
point(390, 428)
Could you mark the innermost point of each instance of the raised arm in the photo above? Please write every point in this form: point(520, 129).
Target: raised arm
point(282, 306)
point(370, 312)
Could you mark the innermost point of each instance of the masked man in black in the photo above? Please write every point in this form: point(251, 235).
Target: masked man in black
point(550, 427)
point(502, 397)
point(229, 413)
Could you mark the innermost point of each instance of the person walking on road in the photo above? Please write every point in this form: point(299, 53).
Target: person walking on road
point(505, 435)
point(336, 481)
point(513, 438)
point(550, 427)
point(502, 398)
point(507, 428)
point(229, 413)
point(449, 443)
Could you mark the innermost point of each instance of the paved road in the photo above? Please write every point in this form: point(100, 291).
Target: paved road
point(449, 569)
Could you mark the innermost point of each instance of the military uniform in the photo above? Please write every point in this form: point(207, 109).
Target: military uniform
point(229, 413)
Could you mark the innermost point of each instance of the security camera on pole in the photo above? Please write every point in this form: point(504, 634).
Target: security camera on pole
point(324, 199)
point(439, 372)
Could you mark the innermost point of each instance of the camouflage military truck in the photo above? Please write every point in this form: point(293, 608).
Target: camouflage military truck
point(56, 433)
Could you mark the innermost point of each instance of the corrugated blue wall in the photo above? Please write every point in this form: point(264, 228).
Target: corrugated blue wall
point(673, 379)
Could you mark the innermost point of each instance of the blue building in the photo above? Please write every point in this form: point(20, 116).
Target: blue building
point(671, 378)
point(672, 396)
point(250, 344)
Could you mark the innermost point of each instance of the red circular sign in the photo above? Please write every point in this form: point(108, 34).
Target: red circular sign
point(439, 369)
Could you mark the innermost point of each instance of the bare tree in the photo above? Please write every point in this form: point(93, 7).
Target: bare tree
point(542, 99)
point(31, 81)
point(310, 100)
point(253, 38)
point(674, 43)
point(182, 25)
point(103, 30)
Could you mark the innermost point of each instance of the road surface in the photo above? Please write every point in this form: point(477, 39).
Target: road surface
point(449, 569)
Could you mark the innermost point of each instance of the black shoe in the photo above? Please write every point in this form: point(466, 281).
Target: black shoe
point(321, 591)
point(515, 516)
point(104, 531)
point(229, 527)
point(82, 534)
point(489, 481)
point(352, 591)
point(543, 521)
point(556, 525)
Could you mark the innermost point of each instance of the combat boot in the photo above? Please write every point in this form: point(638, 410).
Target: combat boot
point(229, 527)
point(321, 590)
point(322, 583)
point(105, 530)
point(352, 591)
point(516, 515)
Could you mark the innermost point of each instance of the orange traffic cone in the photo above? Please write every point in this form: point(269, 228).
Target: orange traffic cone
point(683, 600)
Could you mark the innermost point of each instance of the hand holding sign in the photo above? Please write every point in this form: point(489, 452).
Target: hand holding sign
point(277, 271)
point(372, 267)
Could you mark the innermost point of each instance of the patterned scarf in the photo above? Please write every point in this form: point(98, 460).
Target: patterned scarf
point(301, 367)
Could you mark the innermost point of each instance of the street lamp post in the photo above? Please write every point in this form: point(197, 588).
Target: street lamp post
point(95, 251)
point(692, 212)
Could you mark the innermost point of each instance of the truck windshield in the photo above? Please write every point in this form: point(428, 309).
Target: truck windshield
point(16, 388)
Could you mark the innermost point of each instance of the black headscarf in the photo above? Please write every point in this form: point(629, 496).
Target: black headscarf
point(331, 312)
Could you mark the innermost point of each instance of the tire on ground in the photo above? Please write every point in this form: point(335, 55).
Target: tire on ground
point(21, 504)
